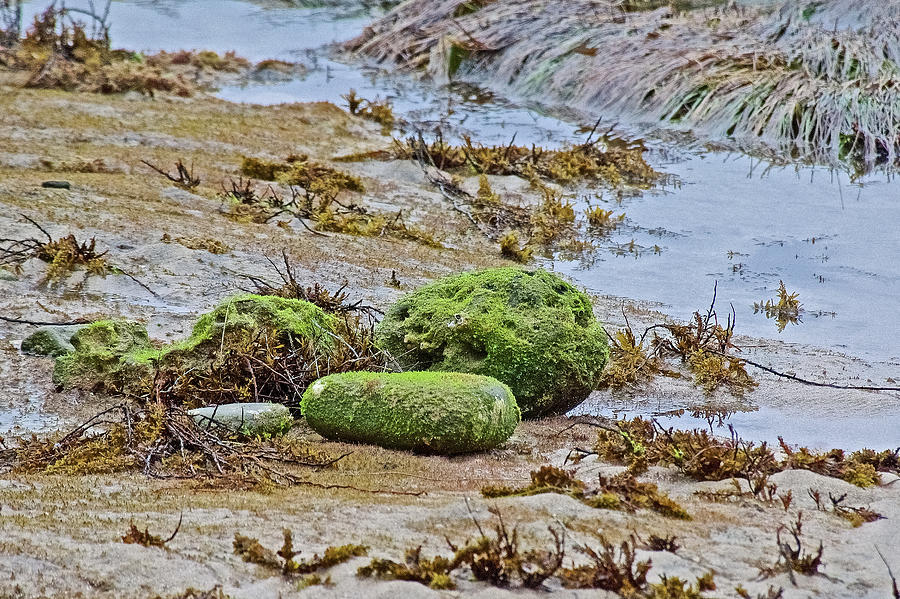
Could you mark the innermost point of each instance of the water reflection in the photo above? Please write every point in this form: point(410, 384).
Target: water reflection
point(766, 423)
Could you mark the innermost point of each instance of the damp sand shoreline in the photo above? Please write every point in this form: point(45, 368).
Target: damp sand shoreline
point(62, 534)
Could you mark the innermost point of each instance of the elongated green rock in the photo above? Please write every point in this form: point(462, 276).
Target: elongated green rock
point(434, 412)
point(531, 330)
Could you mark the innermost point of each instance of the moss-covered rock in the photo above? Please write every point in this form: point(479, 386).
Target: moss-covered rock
point(118, 356)
point(434, 412)
point(51, 341)
point(531, 330)
point(102, 351)
point(239, 320)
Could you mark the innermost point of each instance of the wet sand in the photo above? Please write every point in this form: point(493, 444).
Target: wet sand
point(62, 534)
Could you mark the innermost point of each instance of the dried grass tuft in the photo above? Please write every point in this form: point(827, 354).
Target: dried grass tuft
point(60, 51)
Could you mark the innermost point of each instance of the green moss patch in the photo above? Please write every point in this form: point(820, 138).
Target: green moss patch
point(531, 330)
point(101, 356)
point(434, 412)
point(241, 319)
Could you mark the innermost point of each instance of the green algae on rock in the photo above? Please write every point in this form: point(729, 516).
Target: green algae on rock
point(434, 412)
point(257, 348)
point(531, 330)
point(212, 364)
point(240, 319)
point(102, 353)
point(51, 341)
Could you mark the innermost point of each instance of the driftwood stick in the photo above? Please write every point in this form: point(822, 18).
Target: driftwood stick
point(42, 323)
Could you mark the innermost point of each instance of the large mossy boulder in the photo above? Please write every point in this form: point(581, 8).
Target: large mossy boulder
point(432, 412)
point(101, 354)
point(531, 330)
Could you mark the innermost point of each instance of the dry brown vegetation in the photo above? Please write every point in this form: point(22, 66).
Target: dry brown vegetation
point(59, 50)
point(794, 558)
point(620, 492)
point(62, 255)
point(283, 561)
point(316, 194)
point(162, 443)
point(590, 161)
point(703, 345)
point(550, 224)
point(145, 538)
point(192, 593)
point(183, 177)
point(379, 111)
point(498, 558)
point(704, 456)
point(860, 468)
point(495, 558)
point(213, 246)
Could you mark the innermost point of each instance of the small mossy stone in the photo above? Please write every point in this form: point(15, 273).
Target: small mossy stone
point(264, 420)
point(101, 353)
point(432, 412)
point(51, 341)
point(529, 329)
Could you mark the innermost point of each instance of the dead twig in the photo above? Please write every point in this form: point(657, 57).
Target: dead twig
point(447, 188)
point(185, 178)
point(894, 588)
point(802, 380)
point(41, 323)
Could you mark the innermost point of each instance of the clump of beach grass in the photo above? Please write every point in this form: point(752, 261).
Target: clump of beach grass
point(811, 82)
